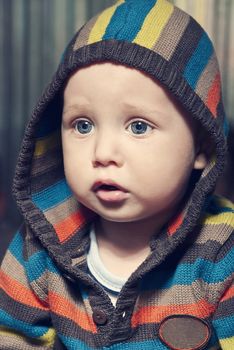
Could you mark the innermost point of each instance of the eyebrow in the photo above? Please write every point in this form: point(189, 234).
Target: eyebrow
point(140, 110)
point(76, 108)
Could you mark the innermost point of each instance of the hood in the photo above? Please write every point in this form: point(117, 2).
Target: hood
point(158, 39)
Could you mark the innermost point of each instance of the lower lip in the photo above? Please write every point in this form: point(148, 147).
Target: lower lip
point(112, 196)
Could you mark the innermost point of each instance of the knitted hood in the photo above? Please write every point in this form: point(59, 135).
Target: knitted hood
point(158, 39)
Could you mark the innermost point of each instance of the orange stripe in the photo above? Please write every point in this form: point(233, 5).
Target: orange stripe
point(158, 313)
point(18, 292)
point(214, 95)
point(63, 307)
point(68, 226)
point(228, 294)
point(175, 224)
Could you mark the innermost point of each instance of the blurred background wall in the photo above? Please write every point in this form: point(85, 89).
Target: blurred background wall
point(33, 34)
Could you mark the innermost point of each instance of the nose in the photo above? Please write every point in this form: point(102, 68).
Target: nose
point(107, 151)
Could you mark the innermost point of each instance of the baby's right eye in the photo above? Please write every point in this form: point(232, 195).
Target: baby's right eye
point(83, 126)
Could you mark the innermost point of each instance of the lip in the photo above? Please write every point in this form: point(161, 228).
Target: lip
point(111, 196)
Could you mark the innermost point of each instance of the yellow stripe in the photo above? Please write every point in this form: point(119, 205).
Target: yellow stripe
point(223, 218)
point(42, 146)
point(153, 24)
point(227, 343)
point(47, 339)
point(101, 24)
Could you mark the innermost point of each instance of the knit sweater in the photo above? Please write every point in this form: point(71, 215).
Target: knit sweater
point(39, 300)
point(181, 296)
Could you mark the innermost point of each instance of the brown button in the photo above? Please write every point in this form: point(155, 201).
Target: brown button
point(99, 317)
point(184, 332)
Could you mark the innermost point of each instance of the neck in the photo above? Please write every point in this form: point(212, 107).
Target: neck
point(127, 237)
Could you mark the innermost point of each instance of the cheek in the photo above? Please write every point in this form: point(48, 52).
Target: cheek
point(75, 167)
point(166, 167)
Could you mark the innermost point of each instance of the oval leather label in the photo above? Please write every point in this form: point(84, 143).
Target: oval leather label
point(184, 332)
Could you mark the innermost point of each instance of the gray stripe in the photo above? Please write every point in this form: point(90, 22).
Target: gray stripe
point(207, 77)
point(16, 341)
point(182, 294)
point(83, 37)
point(174, 30)
point(62, 211)
point(14, 269)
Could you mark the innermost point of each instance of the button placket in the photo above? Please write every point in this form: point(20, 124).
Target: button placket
point(100, 317)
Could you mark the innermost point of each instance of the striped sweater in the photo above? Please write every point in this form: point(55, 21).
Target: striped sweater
point(181, 296)
point(39, 301)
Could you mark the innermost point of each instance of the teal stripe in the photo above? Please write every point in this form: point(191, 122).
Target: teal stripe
point(16, 248)
point(74, 344)
point(202, 269)
point(226, 126)
point(127, 20)
point(36, 265)
point(39, 263)
point(198, 61)
point(214, 207)
point(146, 345)
point(224, 327)
point(29, 330)
point(52, 196)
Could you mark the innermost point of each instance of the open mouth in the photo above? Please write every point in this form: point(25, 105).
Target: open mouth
point(105, 186)
point(108, 188)
point(109, 192)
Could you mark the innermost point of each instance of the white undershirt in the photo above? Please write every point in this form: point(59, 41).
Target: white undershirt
point(96, 267)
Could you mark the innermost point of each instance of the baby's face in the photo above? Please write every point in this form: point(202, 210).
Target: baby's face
point(128, 150)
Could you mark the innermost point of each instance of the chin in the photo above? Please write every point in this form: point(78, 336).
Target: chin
point(114, 216)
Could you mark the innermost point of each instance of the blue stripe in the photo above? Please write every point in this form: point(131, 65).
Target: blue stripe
point(224, 327)
point(186, 274)
point(132, 11)
point(226, 126)
point(52, 196)
point(213, 341)
point(74, 344)
point(23, 327)
point(146, 345)
point(38, 263)
point(16, 248)
point(198, 61)
point(219, 210)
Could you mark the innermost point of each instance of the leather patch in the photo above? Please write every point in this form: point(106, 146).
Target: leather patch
point(184, 332)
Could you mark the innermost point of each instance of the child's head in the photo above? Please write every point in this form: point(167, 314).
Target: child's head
point(143, 80)
point(128, 148)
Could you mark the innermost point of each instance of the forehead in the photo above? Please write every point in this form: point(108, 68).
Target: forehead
point(114, 79)
point(107, 86)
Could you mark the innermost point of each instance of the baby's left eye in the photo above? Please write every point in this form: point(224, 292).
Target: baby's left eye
point(139, 127)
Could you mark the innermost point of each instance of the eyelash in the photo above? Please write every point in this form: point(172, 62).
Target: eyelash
point(133, 123)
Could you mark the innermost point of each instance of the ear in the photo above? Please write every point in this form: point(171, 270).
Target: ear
point(200, 161)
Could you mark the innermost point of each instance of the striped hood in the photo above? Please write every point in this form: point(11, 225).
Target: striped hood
point(154, 37)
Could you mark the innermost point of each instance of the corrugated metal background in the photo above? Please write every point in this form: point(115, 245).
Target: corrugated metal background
point(33, 34)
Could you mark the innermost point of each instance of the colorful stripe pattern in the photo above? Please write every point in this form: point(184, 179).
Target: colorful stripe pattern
point(150, 24)
point(45, 291)
point(38, 302)
point(155, 25)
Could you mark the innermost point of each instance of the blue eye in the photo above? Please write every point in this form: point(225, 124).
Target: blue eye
point(83, 126)
point(140, 127)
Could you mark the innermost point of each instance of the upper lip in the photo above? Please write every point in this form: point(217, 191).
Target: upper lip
point(100, 183)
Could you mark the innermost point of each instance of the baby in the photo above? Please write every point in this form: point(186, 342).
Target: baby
point(123, 245)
